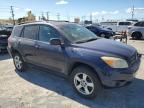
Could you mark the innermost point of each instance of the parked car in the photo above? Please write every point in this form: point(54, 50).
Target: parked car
point(117, 27)
point(101, 32)
point(9, 28)
point(137, 30)
point(71, 50)
point(4, 34)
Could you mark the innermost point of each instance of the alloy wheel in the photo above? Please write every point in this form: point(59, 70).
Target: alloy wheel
point(83, 83)
point(102, 35)
point(18, 62)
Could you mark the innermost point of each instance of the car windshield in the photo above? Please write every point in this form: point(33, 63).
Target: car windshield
point(77, 34)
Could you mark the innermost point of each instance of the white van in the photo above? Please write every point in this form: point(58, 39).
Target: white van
point(117, 26)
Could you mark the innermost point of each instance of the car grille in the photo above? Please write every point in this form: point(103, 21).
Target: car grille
point(133, 58)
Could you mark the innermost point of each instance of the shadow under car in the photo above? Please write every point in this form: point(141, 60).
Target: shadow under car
point(126, 97)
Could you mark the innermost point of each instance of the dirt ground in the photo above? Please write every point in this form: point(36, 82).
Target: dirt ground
point(39, 89)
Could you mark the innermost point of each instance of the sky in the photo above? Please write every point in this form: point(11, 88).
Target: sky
point(69, 9)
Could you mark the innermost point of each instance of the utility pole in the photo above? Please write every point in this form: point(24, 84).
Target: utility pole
point(91, 17)
point(68, 18)
point(39, 18)
point(47, 15)
point(83, 19)
point(42, 16)
point(102, 18)
point(58, 16)
point(133, 12)
point(12, 12)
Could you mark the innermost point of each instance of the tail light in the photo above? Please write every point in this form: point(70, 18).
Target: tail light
point(9, 41)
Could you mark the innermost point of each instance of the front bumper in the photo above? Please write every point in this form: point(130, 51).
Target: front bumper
point(108, 35)
point(120, 77)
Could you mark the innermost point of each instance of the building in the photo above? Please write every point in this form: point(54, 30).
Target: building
point(29, 18)
point(6, 21)
point(77, 20)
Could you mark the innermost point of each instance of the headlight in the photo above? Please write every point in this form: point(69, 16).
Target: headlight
point(115, 62)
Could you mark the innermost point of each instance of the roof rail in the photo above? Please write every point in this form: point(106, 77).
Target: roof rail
point(29, 22)
point(57, 20)
point(42, 21)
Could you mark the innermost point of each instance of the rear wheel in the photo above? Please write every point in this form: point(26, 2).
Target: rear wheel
point(85, 82)
point(137, 35)
point(18, 62)
point(102, 35)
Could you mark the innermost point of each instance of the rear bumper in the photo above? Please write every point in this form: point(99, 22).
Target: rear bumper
point(120, 77)
point(3, 48)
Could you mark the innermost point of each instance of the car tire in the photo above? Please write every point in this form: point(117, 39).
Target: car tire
point(85, 82)
point(19, 63)
point(103, 35)
point(111, 37)
point(137, 35)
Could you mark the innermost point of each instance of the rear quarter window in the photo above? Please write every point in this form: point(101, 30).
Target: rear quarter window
point(17, 31)
point(125, 23)
point(139, 24)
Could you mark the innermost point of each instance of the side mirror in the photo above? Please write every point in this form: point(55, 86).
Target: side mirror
point(55, 41)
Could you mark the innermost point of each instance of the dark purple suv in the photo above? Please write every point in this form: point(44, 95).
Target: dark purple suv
point(90, 62)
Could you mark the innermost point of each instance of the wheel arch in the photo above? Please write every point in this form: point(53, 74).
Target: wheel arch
point(14, 51)
point(132, 35)
point(77, 64)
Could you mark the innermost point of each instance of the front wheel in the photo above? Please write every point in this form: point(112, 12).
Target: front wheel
point(18, 62)
point(85, 82)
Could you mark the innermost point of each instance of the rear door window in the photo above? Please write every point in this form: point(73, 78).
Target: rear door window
point(31, 32)
point(139, 24)
point(90, 27)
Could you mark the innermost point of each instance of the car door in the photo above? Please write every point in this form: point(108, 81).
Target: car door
point(142, 30)
point(28, 41)
point(139, 26)
point(50, 56)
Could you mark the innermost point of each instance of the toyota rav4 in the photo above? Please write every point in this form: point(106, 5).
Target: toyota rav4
point(90, 62)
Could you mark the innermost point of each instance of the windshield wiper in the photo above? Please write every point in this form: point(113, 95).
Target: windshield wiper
point(81, 41)
point(87, 40)
point(91, 39)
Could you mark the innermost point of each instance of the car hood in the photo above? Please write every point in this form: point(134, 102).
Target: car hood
point(108, 47)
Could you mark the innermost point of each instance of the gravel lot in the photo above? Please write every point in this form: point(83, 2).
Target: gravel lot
point(39, 89)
